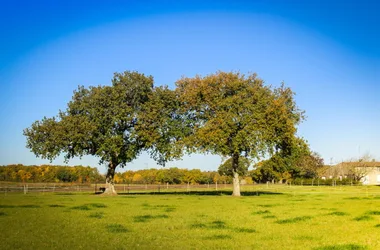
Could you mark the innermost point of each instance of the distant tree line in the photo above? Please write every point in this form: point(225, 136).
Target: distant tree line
point(172, 176)
point(81, 174)
point(50, 173)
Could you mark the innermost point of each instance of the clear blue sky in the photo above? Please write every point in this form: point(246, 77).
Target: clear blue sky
point(328, 52)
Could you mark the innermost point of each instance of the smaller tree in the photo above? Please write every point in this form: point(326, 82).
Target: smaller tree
point(226, 167)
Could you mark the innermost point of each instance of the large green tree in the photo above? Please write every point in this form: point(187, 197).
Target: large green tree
point(234, 115)
point(98, 121)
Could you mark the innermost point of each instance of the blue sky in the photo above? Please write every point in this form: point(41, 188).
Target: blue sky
point(327, 51)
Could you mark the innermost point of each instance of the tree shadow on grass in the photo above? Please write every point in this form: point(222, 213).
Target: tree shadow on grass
point(294, 220)
point(116, 228)
point(211, 193)
point(148, 217)
point(218, 237)
point(20, 206)
point(342, 247)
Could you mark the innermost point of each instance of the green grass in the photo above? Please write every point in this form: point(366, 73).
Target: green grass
point(319, 218)
point(97, 215)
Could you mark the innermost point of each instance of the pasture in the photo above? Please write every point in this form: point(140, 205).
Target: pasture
point(274, 217)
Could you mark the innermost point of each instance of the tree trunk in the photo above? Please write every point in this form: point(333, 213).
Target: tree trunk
point(110, 184)
point(236, 181)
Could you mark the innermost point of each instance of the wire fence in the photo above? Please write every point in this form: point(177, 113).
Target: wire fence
point(211, 189)
point(98, 188)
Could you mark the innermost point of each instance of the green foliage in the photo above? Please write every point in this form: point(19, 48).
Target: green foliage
point(49, 173)
point(226, 167)
point(169, 175)
point(293, 160)
point(233, 115)
point(161, 125)
point(98, 121)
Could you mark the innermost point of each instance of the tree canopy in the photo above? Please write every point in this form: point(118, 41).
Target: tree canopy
point(98, 121)
point(236, 115)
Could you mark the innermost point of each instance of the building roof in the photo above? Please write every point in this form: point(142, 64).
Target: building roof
point(360, 164)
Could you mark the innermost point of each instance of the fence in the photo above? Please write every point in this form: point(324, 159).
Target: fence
point(9, 187)
point(97, 187)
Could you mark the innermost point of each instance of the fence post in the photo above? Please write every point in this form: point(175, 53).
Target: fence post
point(128, 188)
point(216, 185)
point(167, 185)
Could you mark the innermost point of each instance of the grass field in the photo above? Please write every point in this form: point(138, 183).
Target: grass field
point(280, 217)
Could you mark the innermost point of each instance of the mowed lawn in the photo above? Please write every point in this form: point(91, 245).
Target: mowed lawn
point(288, 218)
